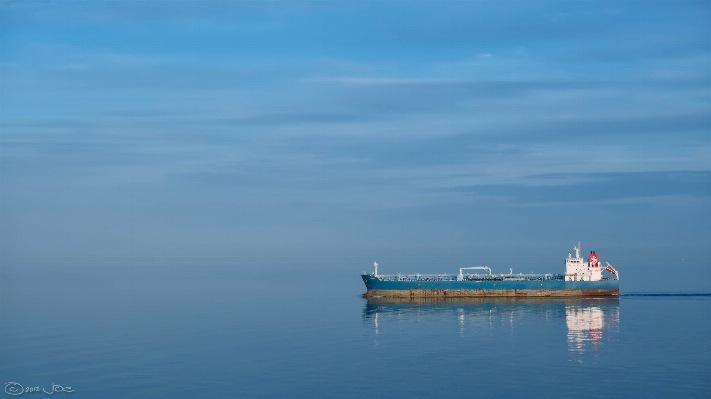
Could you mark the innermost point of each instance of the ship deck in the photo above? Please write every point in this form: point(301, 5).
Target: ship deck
point(471, 277)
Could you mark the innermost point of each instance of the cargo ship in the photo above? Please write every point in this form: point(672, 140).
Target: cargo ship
point(581, 278)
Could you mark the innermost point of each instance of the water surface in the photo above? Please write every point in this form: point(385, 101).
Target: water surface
point(157, 332)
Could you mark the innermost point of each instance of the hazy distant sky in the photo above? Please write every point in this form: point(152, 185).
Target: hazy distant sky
point(330, 134)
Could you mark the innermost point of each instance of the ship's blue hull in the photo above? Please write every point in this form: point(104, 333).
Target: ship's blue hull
point(507, 287)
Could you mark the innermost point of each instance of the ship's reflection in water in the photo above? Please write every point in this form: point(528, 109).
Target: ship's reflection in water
point(587, 319)
point(586, 325)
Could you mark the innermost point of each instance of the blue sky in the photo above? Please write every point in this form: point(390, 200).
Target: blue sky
point(321, 135)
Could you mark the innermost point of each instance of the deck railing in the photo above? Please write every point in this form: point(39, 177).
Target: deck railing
point(468, 277)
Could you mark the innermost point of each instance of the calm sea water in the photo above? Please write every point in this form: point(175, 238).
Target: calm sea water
point(157, 332)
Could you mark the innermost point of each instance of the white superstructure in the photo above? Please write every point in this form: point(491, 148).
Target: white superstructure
point(577, 269)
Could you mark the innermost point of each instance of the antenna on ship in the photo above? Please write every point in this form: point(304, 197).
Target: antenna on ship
point(577, 250)
point(376, 269)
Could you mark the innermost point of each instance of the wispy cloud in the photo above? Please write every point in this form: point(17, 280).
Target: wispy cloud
point(604, 187)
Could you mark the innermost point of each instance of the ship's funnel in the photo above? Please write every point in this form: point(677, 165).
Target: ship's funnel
point(592, 259)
